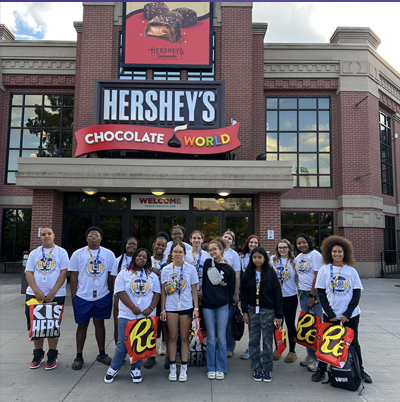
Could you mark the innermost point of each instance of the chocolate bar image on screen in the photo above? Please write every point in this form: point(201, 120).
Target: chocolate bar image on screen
point(189, 17)
point(163, 27)
point(151, 10)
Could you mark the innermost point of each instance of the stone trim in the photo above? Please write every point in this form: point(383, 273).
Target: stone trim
point(310, 204)
point(389, 209)
point(5, 33)
point(15, 200)
point(296, 68)
point(260, 28)
point(355, 35)
point(72, 174)
point(360, 201)
point(361, 219)
point(78, 26)
point(389, 86)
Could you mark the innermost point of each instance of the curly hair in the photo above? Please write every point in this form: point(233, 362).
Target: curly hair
point(219, 242)
point(277, 255)
point(332, 241)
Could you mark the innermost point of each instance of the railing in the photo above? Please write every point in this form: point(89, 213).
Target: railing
point(390, 262)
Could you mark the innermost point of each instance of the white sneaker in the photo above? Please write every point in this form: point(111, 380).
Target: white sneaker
point(211, 375)
point(172, 372)
point(245, 355)
point(110, 375)
point(313, 366)
point(220, 375)
point(307, 361)
point(163, 349)
point(183, 373)
point(136, 375)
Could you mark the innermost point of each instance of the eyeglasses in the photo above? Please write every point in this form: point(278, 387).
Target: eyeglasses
point(177, 234)
point(211, 250)
point(93, 236)
point(282, 248)
point(131, 244)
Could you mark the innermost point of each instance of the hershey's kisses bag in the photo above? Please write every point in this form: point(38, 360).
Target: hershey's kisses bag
point(349, 376)
point(214, 275)
point(45, 320)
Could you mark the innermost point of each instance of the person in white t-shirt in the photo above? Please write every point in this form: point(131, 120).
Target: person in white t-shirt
point(233, 259)
point(177, 235)
point(308, 262)
point(121, 263)
point(46, 274)
point(178, 297)
point(91, 281)
point(138, 291)
point(283, 263)
point(339, 288)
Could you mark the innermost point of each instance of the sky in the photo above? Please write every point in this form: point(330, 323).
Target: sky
point(287, 22)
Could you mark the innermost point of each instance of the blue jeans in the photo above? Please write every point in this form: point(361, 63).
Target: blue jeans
point(120, 349)
point(316, 310)
point(216, 338)
point(262, 322)
point(230, 342)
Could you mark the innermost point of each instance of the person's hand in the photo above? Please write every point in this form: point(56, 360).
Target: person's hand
point(236, 298)
point(163, 316)
point(50, 296)
point(200, 294)
point(39, 295)
point(310, 302)
point(136, 310)
point(333, 319)
point(277, 322)
point(195, 314)
point(147, 312)
point(246, 318)
point(344, 319)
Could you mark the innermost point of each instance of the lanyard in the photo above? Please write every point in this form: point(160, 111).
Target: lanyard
point(180, 279)
point(95, 263)
point(197, 264)
point(155, 261)
point(141, 283)
point(126, 261)
point(282, 276)
point(334, 281)
point(46, 259)
point(258, 283)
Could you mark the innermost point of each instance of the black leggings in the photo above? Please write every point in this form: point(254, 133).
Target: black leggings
point(289, 314)
point(353, 324)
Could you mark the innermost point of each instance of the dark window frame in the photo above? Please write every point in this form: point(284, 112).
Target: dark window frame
point(40, 151)
point(386, 148)
point(317, 131)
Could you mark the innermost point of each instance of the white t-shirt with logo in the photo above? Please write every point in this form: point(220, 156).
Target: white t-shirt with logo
point(125, 264)
point(189, 278)
point(340, 295)
point(200, 258)
point(306, 265)
point(285, 275)
point(82, 262)
point(57, 261)
point(232, 258)
point(140, 288)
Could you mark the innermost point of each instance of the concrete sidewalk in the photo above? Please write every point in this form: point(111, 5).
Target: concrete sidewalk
point(380, 317)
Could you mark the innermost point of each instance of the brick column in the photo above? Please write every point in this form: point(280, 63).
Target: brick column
point(47, 210)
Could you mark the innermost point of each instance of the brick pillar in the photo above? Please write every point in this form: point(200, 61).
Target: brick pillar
point(267, 216)
point(47, 210)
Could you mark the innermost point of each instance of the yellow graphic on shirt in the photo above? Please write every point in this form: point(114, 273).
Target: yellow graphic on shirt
point(49, 266)
point(302, 266)
point(90, 268)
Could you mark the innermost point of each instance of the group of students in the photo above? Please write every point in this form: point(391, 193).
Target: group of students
point(180, 282)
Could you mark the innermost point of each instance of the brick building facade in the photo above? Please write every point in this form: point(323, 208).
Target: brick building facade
point(325, 115)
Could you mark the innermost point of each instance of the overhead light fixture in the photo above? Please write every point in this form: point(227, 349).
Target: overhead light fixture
point(90, 191)
point(111, 200)
point(224, 193)
point(157, 191)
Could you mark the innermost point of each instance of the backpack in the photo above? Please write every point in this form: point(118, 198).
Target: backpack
point(349, 376)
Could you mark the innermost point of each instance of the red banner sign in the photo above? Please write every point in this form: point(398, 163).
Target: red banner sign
point(156, 139)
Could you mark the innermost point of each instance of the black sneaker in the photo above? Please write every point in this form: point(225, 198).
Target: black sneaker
point(38, 357)
point(318, 376)
point(150, 362)
point(366, 377)
point(166, 363)
point(52, 355)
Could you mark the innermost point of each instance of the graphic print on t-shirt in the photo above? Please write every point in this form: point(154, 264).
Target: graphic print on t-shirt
point(280, 271)
point(140, 287)
point(95, 266)
point(42, 266)
point(302, 266)
point(340, 286)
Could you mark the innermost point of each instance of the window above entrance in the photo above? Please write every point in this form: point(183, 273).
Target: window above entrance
point(221, 204)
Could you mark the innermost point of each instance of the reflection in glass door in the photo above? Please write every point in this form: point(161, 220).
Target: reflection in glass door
point(240, 226)
point(169, 221)
point(145, 230)
point(77, 226)
point(111, 225)
point(209, 225)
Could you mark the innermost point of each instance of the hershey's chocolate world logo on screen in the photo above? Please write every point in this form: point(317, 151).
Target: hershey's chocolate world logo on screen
point(199, 105)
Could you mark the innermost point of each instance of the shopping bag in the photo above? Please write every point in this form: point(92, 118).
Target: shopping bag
point(141, 338)
point(237, 325)
point(197, 352)
point(333, 342)
point(45, 320)
point(307, 326)
point(195, 334)
point(280, 340)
